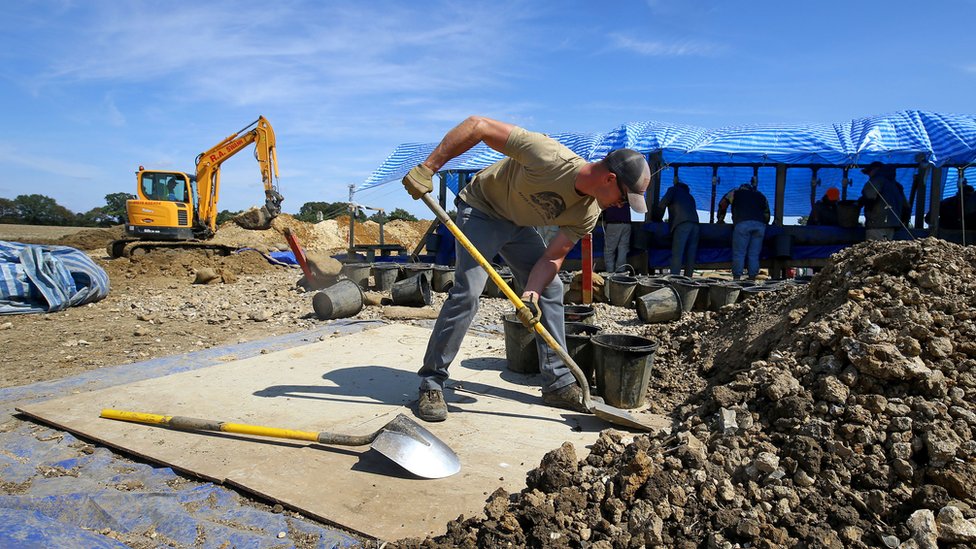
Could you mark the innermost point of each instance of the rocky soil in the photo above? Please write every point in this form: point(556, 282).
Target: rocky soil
point(837, 414)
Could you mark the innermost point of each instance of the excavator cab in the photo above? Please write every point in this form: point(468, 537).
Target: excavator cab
point(163, 210)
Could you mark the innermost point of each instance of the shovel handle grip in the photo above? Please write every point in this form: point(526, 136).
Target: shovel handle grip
point(516, 301)
point(183, 423)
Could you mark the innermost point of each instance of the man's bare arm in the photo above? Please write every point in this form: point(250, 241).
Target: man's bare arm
point(546, 268)
point(467, 134)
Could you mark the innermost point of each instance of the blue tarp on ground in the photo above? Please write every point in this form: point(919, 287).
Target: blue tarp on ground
point(905, 137)
point(35, 279)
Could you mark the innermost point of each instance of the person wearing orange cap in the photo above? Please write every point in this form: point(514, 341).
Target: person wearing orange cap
point(824, 211)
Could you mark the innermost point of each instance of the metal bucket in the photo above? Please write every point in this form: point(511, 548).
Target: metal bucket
point(661, 305)
point(623, 368)
point(521, 352)
point(341, 300)
point(412, 292)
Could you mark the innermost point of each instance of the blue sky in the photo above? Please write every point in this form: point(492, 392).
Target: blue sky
point(92, 89)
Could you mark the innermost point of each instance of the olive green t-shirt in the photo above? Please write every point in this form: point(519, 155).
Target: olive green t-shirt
point(534, 186)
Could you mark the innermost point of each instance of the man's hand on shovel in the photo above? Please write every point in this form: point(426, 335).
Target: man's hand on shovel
point(419, 181)
point(529, 313)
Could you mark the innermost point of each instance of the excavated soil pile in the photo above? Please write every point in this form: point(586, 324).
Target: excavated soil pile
point(839, 414)
point(184, 264)
point(329, 236)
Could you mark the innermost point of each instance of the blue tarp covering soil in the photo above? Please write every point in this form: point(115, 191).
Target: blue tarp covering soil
point(59, 491)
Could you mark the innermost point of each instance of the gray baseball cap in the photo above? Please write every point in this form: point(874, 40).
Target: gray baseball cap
point(632, 171)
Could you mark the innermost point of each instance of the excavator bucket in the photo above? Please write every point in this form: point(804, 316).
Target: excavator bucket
point(255, 219)
point(259, 219)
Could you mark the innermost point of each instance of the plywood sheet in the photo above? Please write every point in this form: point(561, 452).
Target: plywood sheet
point(351, 384)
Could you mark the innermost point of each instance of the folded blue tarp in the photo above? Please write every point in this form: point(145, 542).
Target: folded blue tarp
point(37, 279)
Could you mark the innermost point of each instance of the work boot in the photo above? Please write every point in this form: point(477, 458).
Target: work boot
point(431, 406)
point(569, 397)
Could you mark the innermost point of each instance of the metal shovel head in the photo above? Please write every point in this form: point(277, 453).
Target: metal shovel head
point(416, 449)
point(624, 418)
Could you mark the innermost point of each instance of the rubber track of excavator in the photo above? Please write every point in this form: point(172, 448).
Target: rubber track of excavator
point(130, 247)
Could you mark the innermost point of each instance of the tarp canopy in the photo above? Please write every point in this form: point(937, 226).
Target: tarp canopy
point(906, 138)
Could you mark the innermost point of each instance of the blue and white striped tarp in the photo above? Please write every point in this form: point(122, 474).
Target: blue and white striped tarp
point(905, 137)
point(36, 279)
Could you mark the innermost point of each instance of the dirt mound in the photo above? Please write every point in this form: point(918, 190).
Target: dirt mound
point(89, 239)
point(183, 264)
point(839, 414)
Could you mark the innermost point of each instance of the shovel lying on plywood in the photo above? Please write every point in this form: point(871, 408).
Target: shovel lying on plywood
point(599, 409)
point(402, 440)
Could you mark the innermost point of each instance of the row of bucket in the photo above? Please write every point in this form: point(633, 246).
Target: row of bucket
point(665, 298)
point(409, 285)
point(619, 366)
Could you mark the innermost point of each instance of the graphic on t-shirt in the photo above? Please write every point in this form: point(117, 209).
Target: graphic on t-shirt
point(551, 204)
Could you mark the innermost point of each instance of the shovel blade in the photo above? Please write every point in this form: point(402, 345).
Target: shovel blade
point(416, 449)
point(627, 419)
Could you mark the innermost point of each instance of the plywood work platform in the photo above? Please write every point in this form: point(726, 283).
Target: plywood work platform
point(352, 384)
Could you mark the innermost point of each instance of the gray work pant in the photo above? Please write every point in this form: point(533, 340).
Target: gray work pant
point(520, 247)
point(616, 245)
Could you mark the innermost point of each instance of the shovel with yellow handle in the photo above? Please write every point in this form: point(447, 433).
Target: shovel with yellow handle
point(402, 440)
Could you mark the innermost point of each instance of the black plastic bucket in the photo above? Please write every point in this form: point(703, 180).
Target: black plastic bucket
point(623, 368)
point(342, 299)
point(492, 289)
point(661, 305)
point(688, 292)
point(412, 292)
point(443, 278)
point(413, 269)
point(720, 295)
point(579, 313)
point(520, 349)
point(358, 273)
point(385, 275)
point(578, 346)
point(620, 290)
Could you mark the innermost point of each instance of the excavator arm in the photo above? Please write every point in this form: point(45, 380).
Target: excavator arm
point(208, 164)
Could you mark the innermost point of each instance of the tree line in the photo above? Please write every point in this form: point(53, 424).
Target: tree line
point(38, 209)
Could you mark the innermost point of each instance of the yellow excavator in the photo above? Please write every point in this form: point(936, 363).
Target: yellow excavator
point(179, 210)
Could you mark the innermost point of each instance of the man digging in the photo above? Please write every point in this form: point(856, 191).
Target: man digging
point(539, 183)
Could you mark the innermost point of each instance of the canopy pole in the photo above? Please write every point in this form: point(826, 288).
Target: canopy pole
point(814, 183)
point(780, 194)
point(845, 182)
point(935, 199)
point(711, 208)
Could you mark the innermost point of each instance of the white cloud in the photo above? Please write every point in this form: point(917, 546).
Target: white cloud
point(11, 155)
point(656, 48)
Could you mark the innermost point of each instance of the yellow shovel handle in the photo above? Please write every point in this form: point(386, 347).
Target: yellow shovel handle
point(193, 424)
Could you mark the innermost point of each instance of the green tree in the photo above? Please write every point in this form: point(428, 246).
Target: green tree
point(96, 217)
point(37, 209)
point(330, 210)
point(115, 206)
point(8, 211)
point(400, 213)
point(379, 217)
